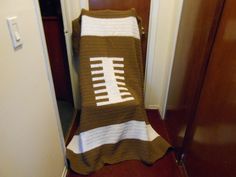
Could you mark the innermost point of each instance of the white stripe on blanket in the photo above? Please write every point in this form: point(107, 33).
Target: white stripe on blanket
point(126, 26)
point(111, 134)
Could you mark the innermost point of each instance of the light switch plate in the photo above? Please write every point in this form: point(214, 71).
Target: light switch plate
point(14, 31)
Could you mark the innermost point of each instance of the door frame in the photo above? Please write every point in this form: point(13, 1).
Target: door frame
point(156, 7)
point(50, 80)
point(163, 31)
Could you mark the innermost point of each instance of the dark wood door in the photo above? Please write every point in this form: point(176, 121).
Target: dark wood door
point(212, 151)
point(54, 34)
point(142, 7)
point(58, 57)
point(199, 21)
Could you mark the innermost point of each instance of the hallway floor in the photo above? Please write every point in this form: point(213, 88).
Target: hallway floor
point(165, 167)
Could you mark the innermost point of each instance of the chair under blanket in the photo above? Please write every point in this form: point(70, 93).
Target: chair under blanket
point(113, 123)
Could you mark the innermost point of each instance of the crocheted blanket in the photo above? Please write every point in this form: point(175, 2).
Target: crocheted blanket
point(113, 123)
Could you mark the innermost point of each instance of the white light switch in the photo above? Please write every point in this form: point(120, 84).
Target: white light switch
point(14, 31)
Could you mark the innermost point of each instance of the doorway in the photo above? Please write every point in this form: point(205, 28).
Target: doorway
point(56, 46)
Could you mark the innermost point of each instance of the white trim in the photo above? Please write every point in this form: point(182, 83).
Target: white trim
point(84, 4)
point(163, 30)
point(170, 66)
point(65, 16)
point(70, 11)
point(156, 107)
point(64, 173)
point(49, 75)
point(154, 12)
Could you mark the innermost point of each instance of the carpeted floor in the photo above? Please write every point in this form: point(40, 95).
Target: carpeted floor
point(165, 167)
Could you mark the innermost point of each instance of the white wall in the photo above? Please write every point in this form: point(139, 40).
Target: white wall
point(30, 143)
point(163, 29)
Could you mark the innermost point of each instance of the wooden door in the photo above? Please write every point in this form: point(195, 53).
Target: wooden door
point(212, 151)
point(53, 30)
point(142, 7)
point(199, 21)
point(58, 58)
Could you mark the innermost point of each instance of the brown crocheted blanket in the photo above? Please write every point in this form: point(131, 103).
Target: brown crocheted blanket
point(113, 124)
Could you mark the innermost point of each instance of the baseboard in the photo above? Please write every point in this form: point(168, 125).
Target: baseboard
point(64, 173)
point(152, 107)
